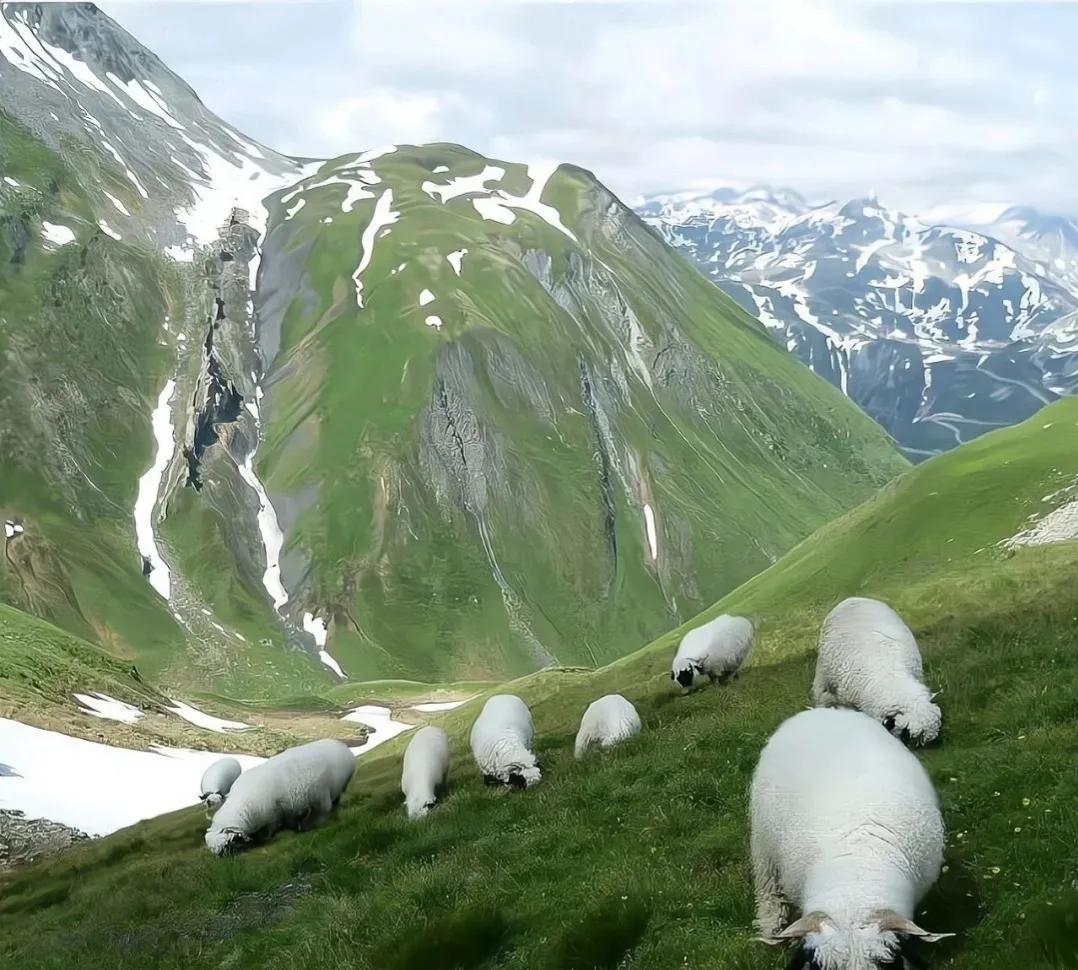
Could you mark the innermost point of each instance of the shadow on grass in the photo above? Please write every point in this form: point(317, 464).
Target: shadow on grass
point(460, 940)
point(603, 938)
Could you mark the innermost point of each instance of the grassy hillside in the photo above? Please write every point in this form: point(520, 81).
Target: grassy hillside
point(639, 859)
point(467, 461)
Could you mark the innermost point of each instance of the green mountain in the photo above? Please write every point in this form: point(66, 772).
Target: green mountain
point(639, 858)
point(413, 412)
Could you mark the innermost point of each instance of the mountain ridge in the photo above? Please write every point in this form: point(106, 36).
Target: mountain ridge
point(938, 332)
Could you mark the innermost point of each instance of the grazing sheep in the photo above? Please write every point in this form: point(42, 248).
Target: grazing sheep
point(502, 740)
point(846, 832)
point(715, 650)
point(608, 721)
point(295, 789)
point(426, 763)
point(217, 781)
point(868, 659)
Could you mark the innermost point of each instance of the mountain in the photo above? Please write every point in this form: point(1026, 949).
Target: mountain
point(939, 333)
point(462, 888)
point(1048, 239)
point(411, 412)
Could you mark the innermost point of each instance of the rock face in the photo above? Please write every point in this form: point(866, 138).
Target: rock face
point(408, 412)
point(939, 333)
point(24, 840)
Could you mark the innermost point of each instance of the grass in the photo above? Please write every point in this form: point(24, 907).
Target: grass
point(638, 858)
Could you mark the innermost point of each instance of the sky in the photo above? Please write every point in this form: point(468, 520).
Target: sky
point(945, 110)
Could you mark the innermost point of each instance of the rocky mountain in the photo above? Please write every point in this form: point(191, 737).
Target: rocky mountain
point(410, 412)
point(939, 333)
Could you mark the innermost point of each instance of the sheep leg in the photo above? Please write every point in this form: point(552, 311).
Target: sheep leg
point(317, 812)
point(822, 693)
point(772, 909)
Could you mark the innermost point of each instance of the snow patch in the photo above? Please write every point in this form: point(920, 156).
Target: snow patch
point(383, 216)
point(426, 297)
point(434, 321)
point(456, 259)
point(108, 230)
point(441, 168)
point(56, 234)
point(649, 526)
point(433, 707)
point(103, 706)
point(10, 181)
point(380, 721)
point(463, 184)
point(12, 529)
point(270, 530)
point(149, 486)
point(203, 720)
point(97, 788)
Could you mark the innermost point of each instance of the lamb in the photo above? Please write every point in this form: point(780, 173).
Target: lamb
point(217, 781)
point(608, 721)
point(501, 742)
point(296, 789)
point(715, 650)
point(846, 831)
point(868, 660)
point(426, 764)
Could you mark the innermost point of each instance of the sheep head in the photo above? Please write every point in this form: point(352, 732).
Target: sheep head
point(684, 673)
point(919, 723)
point(226, 841)
point(878, 944)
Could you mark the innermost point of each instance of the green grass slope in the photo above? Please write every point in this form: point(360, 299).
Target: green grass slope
point(639, 859)
point(469, 497)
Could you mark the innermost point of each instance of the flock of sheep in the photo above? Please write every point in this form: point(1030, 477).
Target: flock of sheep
point(846, 831)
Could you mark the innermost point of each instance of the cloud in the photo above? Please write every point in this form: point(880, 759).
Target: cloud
point(939, 106)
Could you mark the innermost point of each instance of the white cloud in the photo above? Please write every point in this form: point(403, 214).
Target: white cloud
point(944, 105)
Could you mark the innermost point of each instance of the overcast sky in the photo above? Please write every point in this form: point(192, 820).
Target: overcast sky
point(935, 107)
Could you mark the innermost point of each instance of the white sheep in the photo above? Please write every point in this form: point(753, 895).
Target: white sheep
point(426, 764)
point(608, 721)
point(715, 650)
point(868, 659)
point(296, 789)
point(847, 832)
point(501, 742)
point(217, 781)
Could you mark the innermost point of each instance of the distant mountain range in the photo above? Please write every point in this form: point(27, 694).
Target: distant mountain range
point(940, 333)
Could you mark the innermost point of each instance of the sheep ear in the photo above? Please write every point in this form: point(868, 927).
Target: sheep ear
point(812, 923)
point(890, 921)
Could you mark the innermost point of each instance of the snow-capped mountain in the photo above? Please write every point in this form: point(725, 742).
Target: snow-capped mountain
point(939, 333)
point(406, 412)
point(1049, 240)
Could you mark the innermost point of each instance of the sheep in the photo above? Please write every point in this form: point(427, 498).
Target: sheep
point(217, 781)
point(715, 650)
point(845, 830)
point(868, 660)
point(295, 789)
point(426, 764)
point(608, 721)
point(501, 742)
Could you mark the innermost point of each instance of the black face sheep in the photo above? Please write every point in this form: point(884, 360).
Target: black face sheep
point(846, 832)
point(426, 764)
point(501, 742)
point(295, 789)
point(715, 650)
point(868, 660)
point(217, 781)
point(607, 721)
